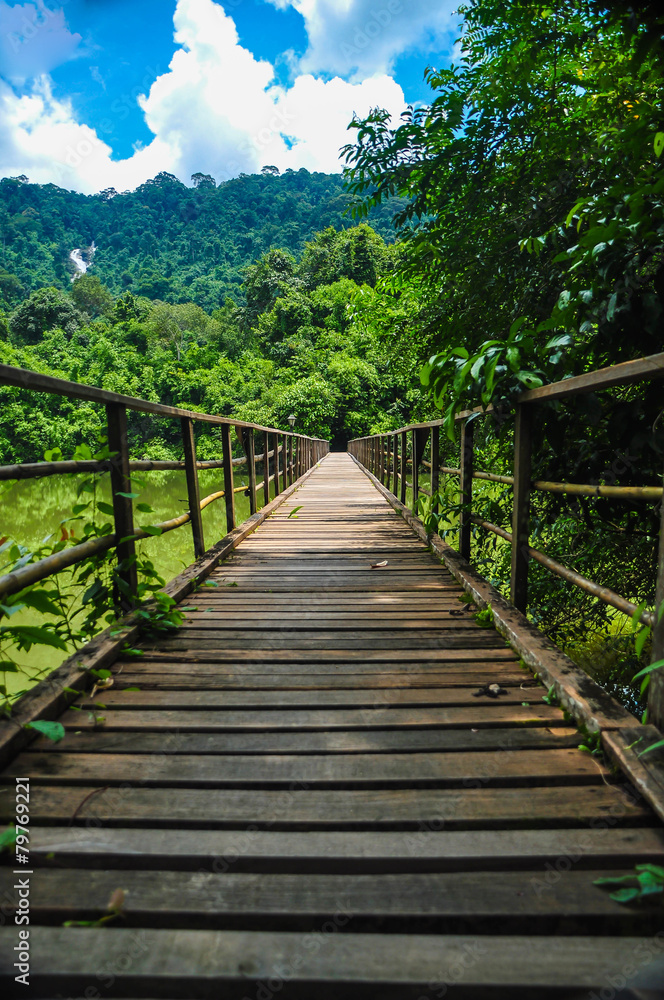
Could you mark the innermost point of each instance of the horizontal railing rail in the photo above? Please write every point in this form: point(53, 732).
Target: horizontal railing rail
point(292, 454)
point(386, 456)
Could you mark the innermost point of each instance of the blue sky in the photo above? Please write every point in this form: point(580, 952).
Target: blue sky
point(106, 93)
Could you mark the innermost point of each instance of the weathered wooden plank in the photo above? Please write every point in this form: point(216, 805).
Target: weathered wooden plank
point(353, 641)
point(485, 713)
point(516, 903)
point(365, 698)
point(421, 809)
point(503, 768)
point(169, 680)
point(326, 742)
point(236, 964)
point(353, 661)
point(371, 851)
point(627, 749)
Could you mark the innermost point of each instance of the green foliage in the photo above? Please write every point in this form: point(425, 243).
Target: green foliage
point(649, 883)
point(45, 310)
point(53, 731)
point(533, 236)
point(165, 240)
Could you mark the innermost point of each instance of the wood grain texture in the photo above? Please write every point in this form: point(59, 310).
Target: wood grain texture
point(328, 746)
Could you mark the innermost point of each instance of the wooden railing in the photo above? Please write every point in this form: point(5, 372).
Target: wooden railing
point(386, 457)
point(292, 455)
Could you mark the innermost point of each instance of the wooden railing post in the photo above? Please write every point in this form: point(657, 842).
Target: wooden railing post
point(395, 471)
point(193, 492)
point(435, 468)
point(466, 487)
point(284, 451)
point(289, 442)
point(388, 465)
point(251, 466)
point(277, 470)
point(521, 509)
point(229, 494)
point(116, 419)
point(266, 468)
point(656, 686)
point(416, 471)
point(404, 466)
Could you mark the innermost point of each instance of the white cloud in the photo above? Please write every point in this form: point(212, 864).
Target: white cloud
point(33, 40)
point(216, 110)
point(361, 37)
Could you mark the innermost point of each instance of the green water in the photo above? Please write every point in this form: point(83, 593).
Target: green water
point(34, 509)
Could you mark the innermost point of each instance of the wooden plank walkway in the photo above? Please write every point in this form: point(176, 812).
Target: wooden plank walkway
point(306, 793)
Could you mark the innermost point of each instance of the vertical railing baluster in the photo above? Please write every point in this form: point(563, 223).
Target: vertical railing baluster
point(291, 469)
point(395, 452)
point(404, 466)
point(266, 468)
point(251, 466)
point(229, 492)
point(521, 509)
point(193, 492)
point(388, 465)
point(116, 420)
point(275, 445)
point(284, 462)
point(416, 472)
point(466, 487)
point(435, 468)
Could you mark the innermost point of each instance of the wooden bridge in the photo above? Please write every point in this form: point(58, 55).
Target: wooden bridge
point(332, 782)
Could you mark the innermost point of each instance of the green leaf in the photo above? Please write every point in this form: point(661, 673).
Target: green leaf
point(151, 529)
point(8, 838)
point(294, 511)
point(105, 508)
point(53, 731)
point(145, 508)
point(653, 746)
point(648, 670)
point(32, 635)
point(625, 895)
point(39, 600)
point(659, 143)
point(129, 496)
point(8, 667)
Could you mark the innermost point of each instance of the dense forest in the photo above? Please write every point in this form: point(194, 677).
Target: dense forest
point(529, 204)
point(166, 240)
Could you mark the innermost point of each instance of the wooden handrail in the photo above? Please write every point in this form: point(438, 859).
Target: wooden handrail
point(294, 448)
point(23, 378)
point(370, 452)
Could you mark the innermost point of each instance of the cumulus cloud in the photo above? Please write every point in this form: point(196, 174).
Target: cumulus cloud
point(40, 137)
point(217, 110)
point(221, 110)
point(360, 37)
point(34, 39)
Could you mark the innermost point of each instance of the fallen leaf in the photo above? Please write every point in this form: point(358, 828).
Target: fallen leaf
point(379, 565)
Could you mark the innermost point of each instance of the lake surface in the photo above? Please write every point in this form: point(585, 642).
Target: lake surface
point(34, 509)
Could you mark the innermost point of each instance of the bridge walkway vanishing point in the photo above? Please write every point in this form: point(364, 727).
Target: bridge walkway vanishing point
point(307, 792)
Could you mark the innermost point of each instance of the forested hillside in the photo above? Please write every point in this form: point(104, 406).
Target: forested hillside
point(166, 240)
point(311, 337)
